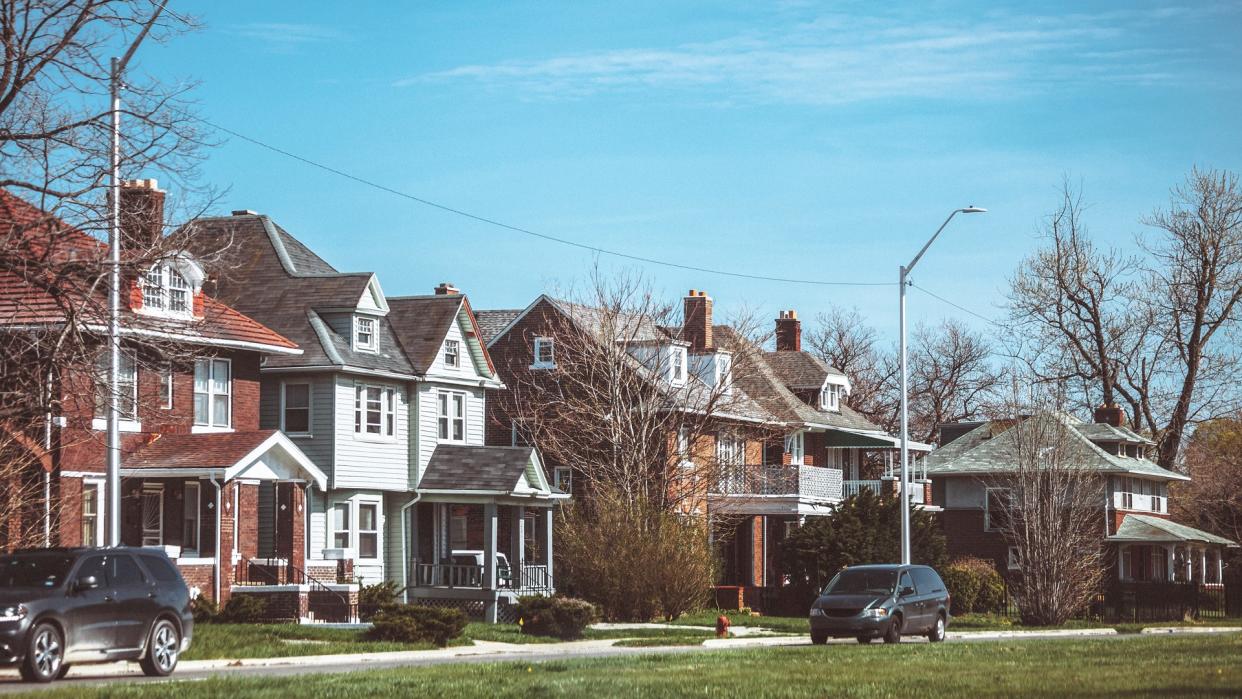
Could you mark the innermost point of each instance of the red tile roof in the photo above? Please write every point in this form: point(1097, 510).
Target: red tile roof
point(214, 451)
point(27, 299)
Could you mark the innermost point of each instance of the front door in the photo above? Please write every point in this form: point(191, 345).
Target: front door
point(91, 613)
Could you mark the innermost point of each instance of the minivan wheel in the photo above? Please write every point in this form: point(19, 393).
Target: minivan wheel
point(163, 648)
point(45, 654)
point(936, 635)
point(819, 639)
point(864, 640)
point(893, 634)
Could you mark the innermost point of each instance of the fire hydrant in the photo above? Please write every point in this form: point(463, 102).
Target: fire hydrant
point(722, 626)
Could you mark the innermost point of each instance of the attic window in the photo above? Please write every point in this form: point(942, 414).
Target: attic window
point(545, 353)
point(452, 353)
point(165, 290)
point(677, 372)
point(724, 374)
point(830, 397)
point(364, 334)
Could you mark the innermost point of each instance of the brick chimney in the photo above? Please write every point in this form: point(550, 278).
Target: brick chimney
point(788, 332)
point(446, 289)
point(142, 214)
point(1110, 415)
point(697, 320)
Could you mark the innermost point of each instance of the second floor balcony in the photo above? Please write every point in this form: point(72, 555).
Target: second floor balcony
point(815, 484)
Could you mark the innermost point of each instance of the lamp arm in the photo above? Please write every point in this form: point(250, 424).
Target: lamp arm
point(919, 256)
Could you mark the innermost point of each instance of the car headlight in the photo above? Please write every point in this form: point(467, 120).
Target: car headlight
point(816, 611)
point(15, 612)
point(876, 613)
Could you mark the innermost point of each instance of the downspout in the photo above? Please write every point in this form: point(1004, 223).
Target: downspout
point(215, 574)
point(47, 475)
point(405, 546)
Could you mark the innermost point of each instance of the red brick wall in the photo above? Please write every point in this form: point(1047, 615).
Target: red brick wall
point(756, 562)
point(248, 519)
point(199, 576)
point(964, 536)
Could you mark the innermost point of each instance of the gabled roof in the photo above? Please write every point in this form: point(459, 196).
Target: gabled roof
point(495, 471)
point(25, 302)
point(492, 322)
point(1156, 529)
point(258, 454)
point(800, 370)
point(990, 449)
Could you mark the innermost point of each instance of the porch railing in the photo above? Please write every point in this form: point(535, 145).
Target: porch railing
point(532, 578)
point(816, 482)
point(249, 573)
point(856, 487)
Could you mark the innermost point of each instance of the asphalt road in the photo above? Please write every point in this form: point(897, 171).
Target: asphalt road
point(84, 677)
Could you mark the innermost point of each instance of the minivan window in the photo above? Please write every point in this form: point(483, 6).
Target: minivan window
point(927, 580)
point(161, 569)
point(862, 582)
point(905, 581)
point(125, 571)
point(34, 571)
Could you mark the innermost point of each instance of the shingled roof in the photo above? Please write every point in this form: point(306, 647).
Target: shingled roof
point(257, 454)
point(492, 470)
point(491, 322)
point(800, 370)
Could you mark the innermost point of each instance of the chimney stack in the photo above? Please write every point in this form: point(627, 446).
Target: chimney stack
point(1110, 415)
point(697, 321)
point(446, 289)
point(142, 214)
point(788, 332)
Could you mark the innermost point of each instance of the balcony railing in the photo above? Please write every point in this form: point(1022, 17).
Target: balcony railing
point(814, 482)
point(855, 487)
point(534, 579)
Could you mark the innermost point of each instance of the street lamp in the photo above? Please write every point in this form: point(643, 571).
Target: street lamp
point(903, 488)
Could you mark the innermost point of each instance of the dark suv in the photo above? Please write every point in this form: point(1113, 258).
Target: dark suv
point(66, 606)
point(886, 601)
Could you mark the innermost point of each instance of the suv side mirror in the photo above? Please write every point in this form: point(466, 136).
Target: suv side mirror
point(907, 591)
point(86, 582)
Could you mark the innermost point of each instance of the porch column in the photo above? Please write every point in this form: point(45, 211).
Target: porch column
point(297, 527)
point(547, 545)
point(1170, 563)
point(1202, 565)
point(517, 544)
point(1220, 566)
point(489, 560)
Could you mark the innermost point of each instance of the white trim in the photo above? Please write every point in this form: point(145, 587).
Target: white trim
point(210, 429)
point(210, 419)
point(388, 409)
point(151, 488)
point(456, 354)
point(448, 397)
point(278, 439)
point(373, 344)
point(198, 514)
point(100, 423)
point(538, 344)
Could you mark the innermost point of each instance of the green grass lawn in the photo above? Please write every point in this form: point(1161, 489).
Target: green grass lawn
point(510, 633)
point(783, 624)
point(1167, 666)
point(213, 641)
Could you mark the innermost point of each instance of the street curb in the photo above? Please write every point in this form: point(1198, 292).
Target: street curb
point(1049, 633)
point(1190, 629)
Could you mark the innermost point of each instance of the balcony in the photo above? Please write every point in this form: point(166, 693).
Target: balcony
point(851, 488)
point(815, 483)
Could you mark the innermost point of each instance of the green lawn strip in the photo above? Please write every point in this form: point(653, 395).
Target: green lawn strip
point(510, 633)
point(1161, 666)
point(992, 622)
point(660, 642)
point(783, 624)
point(213, 641)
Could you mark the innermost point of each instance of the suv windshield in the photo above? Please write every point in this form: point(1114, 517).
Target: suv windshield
point(42, 570)
point(862, 582)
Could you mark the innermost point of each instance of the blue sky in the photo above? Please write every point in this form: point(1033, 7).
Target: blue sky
point(790, 139)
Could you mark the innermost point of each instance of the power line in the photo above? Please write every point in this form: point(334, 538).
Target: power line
point(960, 308)
point(526, 231)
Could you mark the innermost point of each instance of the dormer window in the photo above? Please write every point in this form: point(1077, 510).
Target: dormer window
point(452, 353)
point(364, 334)
point(724, 373)
point(830, 397)
point(165, 290)
point(677, 369)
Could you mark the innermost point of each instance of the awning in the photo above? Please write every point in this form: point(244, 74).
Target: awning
point(1147, 529)
point(846, 437)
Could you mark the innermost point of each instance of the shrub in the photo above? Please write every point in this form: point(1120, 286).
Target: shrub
point(374, 599)
point(244, 609)
point(974, 585)
point(560, 617)
point(416, 624)
point(205, 611)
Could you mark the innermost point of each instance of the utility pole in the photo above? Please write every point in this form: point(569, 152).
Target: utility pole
point(112, 485)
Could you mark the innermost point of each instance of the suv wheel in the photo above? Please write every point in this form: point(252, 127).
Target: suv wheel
point(45, 654)
point(163, 648)
point(819, 639)
point(893, 634)
point(936, 635)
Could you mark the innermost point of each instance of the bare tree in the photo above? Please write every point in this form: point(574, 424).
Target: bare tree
point(845, 340)
point(1211, 499)
point(1155, 332)
point(1050, 506)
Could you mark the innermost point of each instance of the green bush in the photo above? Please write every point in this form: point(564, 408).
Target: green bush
point(415, 624)
point(374, 599)
point(244, 609)
point(205, 611)
point(560, 617)
point(975, 586)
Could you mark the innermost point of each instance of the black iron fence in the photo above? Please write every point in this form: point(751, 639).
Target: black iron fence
point(1122, 602)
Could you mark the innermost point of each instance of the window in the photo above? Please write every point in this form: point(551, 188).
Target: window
point(545, 353)
point(127, 386)
point(457, 532)
point(452, 353)
point(161, 569)
point(152, 515)
point(213, 388)
point(724, 373)
point(368, 530)
point(1015, 558)
point(374, 410)
point(295, 413)
point(164, 289)
point(683, 442)
point(364, 334)
point(125, 571)
point(995, 509)
point(795, 446)
point(519, 435)
point(90, 515)
point(530, 538)
point(340, 525)
point(677, 373)
point(563, 478)
point(730, 449)
point(452, 420)
point(906, 582)
point(166, 387)
point(927, 581)
point(191, 519)
point(830, 397)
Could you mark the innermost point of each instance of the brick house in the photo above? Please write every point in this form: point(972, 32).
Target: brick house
point(809, 448)
point(388, 399)
point(968, 475)
point(192, 451)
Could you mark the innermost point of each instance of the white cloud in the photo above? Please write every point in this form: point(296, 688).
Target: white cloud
point(285, 37)
point(834, 59)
